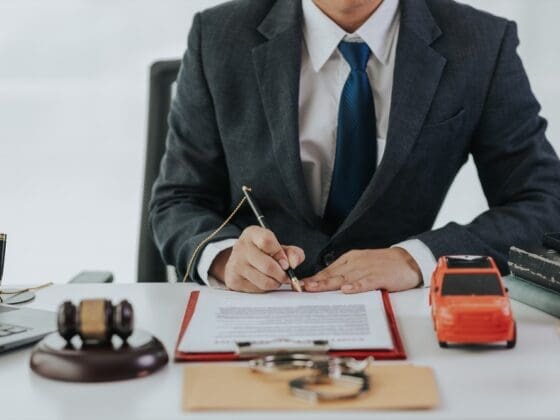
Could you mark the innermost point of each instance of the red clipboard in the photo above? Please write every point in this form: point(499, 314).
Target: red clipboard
point(396, 353)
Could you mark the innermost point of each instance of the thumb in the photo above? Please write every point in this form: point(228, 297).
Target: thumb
point(295, 255)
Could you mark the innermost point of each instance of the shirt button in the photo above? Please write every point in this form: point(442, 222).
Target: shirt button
point(328, 258)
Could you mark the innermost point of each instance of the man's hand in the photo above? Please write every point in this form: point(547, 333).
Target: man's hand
point(358, 271)
point(256, 263)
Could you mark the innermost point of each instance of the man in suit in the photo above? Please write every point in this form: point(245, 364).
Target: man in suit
point(349, 119)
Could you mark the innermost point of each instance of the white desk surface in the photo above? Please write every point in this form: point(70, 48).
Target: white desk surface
point(519, 383)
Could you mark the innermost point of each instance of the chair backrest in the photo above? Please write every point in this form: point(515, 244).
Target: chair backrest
point(163, 74)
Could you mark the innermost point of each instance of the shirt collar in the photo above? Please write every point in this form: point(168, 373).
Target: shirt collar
point(322, 35)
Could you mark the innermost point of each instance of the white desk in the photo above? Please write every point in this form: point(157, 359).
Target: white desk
point(519, 383)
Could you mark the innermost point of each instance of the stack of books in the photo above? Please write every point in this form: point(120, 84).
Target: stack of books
point(535, 278)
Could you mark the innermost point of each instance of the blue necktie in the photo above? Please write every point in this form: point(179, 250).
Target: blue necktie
point(356, 143)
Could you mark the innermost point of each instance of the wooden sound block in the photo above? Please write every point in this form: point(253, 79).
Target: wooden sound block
point(141, 355)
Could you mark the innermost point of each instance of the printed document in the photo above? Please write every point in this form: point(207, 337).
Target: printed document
point(348, 322)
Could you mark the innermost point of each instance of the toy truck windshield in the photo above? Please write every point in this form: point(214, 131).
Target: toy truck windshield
point(471, 284)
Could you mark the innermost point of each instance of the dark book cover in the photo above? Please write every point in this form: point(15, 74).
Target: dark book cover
point(538, 264)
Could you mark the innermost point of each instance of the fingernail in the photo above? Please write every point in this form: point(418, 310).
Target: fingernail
point(347, 287)
point(294, 262)
point(284, 264)
point(311, 284)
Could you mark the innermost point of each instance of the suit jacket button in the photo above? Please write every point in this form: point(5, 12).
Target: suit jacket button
point(328, 258)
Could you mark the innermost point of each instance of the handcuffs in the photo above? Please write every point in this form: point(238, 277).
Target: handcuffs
point(344, 372)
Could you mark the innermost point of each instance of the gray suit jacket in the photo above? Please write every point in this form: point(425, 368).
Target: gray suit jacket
point(459, 89)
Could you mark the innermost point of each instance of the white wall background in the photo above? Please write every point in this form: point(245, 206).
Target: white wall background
point(73, 103)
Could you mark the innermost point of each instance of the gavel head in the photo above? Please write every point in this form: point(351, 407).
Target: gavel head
point(95, 320)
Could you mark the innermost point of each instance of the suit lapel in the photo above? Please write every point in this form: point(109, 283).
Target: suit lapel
point(418, 69)
point(277, 64)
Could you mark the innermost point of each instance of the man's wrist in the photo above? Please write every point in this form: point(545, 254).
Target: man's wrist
point(209, 253)
point(412, 264)
point(422, 255)
point(218, 266)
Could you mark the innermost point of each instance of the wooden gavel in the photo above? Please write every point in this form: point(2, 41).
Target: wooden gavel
point(95, 321)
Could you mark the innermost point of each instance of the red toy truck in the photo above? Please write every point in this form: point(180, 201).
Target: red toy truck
point(469, 302)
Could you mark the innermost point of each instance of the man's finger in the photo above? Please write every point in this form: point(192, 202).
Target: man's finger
point(334, 271)
point(349, 273)
point(365, 284)
point(295, 255)
point(241, 284)
point(262, 281)
point(323, 284)
point(266, 241)
point(265, 264)
point(324, 274)
point(248, 287)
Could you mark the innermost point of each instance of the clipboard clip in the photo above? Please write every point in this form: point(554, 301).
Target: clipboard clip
point(253, 349)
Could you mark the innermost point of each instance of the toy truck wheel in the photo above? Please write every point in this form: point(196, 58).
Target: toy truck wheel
point(511, 343)
point(443, 344)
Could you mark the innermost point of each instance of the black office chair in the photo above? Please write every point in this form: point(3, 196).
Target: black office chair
point(151, 267)
point(163, 74)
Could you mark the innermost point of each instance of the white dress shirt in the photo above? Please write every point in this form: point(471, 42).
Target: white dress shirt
point(324, 72)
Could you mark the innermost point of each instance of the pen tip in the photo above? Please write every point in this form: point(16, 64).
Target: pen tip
point(296, 285)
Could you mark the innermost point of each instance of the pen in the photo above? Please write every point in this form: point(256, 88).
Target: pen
point(3, 239)
point(260, 219)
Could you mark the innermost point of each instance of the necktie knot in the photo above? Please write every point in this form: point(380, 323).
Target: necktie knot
point(356, 54)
